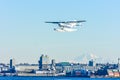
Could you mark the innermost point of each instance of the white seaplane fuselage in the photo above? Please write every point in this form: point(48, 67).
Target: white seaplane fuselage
point(66, 27)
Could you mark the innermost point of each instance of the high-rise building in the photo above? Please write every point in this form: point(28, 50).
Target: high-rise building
point(53, 64)
point(92, 63)
point(12, 63)
point(119, 64)
point(44, 62)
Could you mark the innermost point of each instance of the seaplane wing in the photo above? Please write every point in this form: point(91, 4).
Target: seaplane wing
point(75, 21)
point(55, 22)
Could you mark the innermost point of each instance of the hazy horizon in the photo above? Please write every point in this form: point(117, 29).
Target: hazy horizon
point(24, 35)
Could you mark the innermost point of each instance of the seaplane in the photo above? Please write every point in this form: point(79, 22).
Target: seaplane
point(67, 26)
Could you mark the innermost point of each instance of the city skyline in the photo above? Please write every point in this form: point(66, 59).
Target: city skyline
point(83, 59)
point(24, 35)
